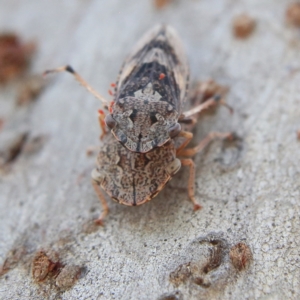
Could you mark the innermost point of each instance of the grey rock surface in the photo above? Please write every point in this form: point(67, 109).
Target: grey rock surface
point(160, 250)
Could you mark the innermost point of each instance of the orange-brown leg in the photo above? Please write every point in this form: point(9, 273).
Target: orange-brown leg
point(210, 137)
point(101, 117)
point(185, 134)
point(81, 81)
point(101, 197)
point(191, 183)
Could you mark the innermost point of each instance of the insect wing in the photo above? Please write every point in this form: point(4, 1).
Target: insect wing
point(158, 62)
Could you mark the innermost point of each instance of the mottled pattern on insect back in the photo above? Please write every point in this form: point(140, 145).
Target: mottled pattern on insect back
point(150, 92)
point(134, 178)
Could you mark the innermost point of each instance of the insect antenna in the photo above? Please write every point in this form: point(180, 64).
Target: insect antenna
point(69, 69)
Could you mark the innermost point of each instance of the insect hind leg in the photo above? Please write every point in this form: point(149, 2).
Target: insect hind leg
point(205, 142)
point(191, 183)
point(102, 199)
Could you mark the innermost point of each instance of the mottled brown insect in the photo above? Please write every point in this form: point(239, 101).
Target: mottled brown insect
point(132, 178)
point(146, 115)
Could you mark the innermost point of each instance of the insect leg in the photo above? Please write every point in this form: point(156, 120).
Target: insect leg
point(210, 137)
point(191, 183)
point(101, 117)
point(186, 134)
point(208, 103)
point(101, 197)
point(80, 80)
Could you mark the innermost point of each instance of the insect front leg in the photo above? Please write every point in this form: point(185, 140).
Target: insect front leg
point(191, 183)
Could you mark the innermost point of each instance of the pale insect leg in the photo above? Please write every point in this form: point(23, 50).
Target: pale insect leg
point(208, 103)
point(101, 118)
point(81, 81)
point(186, 134)
point(191, 183)
point(210, 137)
point(101, 197)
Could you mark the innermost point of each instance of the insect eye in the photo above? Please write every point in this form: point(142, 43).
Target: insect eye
point(110, 121)
point(174, 130)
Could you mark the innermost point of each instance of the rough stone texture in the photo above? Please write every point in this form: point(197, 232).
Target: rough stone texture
point(249, 190)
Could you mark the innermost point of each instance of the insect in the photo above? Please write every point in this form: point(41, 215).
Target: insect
point(132, 178)
point(146, 115)
point(149, 94)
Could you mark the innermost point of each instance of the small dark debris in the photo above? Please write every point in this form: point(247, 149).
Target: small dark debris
point(240, 256)
point(177, 295)
point(12, 259)
point(298, 135)
point(68, 277)
point(293, 14)
point(14, 56)
point(91, 150)
point(232, 150)
point(181, 274)
point(216, 257)
point(34, 144)
point(11, 146)
point(200, 281)
point(29, 89)
point(160, 4)
point(243, 26)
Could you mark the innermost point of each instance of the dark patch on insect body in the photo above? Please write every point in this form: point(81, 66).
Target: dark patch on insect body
point(150, 91)
point(145, 79)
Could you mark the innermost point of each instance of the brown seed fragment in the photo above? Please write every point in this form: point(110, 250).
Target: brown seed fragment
point(215, 259)
point(200, 281)
point(11, 145)
point(68, 276)
point(159, 4)
point(293, 14)
point(240, 256)
point(298, 134)
point(181, 274)
point(243, 26)
point(14, 56)
point(12, 259)
point(177, 295)
point(30, 88)
point(43, 265)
